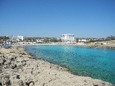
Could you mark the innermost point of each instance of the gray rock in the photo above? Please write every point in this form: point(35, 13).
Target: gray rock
point(20, 83)
point(6, 81)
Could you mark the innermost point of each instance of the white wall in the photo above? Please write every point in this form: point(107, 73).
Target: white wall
point(68, 38)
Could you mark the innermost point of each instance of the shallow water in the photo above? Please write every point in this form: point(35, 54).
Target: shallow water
point(96, 63)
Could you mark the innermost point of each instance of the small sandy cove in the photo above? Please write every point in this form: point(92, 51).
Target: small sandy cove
point(18, 68)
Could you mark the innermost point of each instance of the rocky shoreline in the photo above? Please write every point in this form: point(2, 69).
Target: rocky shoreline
point(18, 68)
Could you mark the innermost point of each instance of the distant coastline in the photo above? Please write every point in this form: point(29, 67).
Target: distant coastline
point(103, 44)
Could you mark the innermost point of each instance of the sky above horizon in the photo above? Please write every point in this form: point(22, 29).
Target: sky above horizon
point(51, 18)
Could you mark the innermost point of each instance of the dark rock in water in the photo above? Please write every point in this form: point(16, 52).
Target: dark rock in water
point(20, 83)
point(0, 83)
point(18, 77)
point(85, 81)
point(23, 62)
point(14, 66)
point(103, 84)
point(3, 61)
point(12, 59)
point(30, 83)
point(6, 81)
point(0, 69)
point(27, 84)
point(6, 77)
point(23, 53)
point(43, 84)
point(95, 84)
point(12, 51)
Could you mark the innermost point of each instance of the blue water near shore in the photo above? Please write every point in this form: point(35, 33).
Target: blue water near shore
point(93, 62)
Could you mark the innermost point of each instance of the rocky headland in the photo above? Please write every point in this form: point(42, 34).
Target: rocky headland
point(102, 44)
point(18, 68)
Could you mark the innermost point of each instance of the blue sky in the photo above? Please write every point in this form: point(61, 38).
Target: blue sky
point(51, 18)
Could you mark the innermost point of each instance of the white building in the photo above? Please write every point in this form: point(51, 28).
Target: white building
point(68, 38)
point(40, 40)
point(17, 38)
point(83, 40)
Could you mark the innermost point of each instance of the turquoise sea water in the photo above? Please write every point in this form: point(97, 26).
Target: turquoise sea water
point(96, 63)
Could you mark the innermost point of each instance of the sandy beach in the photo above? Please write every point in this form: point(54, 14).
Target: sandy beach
point(18, 68)
point(102, 44)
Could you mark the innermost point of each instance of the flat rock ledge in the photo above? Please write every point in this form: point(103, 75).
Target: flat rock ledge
point(18, 68)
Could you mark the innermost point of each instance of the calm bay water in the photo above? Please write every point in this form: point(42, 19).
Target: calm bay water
point(96, 63)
